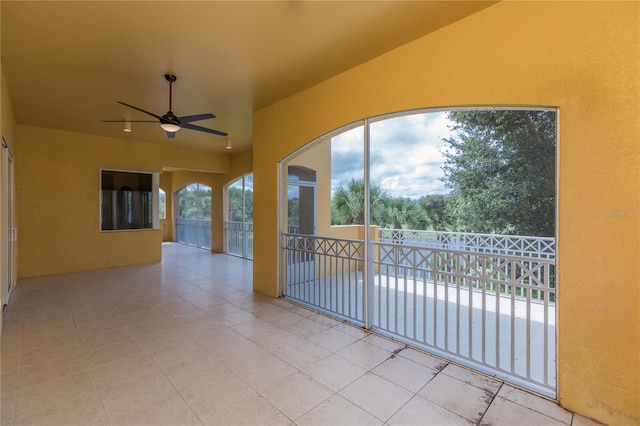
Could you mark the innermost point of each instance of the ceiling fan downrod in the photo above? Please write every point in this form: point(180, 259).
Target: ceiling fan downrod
point(170, 78)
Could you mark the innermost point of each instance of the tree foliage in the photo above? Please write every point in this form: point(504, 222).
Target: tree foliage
point(501, 169)
point(347, 205)
point(237, 211)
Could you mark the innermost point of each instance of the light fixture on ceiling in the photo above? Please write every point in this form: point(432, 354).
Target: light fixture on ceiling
point(170, 127)
point(228, 143)
point(127, 126)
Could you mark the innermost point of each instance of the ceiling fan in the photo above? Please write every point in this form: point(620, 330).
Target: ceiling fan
point(169, 122)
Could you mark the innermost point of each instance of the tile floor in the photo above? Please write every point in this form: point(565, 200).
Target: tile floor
point(187, 342)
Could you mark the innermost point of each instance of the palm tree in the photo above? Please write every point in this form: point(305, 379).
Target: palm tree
point(347, 206)
point(405, 213)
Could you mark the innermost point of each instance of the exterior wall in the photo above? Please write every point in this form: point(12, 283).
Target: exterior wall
point(7, 129)
point(180, 179)
point(167, 224)
point(57, 194)
point(318, 158)
point(581, 57)
point(241, 164)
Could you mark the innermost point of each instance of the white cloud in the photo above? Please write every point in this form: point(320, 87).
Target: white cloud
point(406, 155)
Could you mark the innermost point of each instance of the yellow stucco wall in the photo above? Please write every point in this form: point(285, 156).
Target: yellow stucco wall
point(57, 194)
point(7, 130)
point(582, 57)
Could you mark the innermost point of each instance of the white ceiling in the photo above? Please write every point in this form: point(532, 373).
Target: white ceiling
point(66, 63)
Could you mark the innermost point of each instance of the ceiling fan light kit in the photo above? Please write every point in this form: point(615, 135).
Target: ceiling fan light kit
point(170, 122)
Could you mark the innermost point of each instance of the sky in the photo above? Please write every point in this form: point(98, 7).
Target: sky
point(406, 155)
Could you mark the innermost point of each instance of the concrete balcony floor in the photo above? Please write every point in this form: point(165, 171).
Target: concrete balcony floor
point(186, 341)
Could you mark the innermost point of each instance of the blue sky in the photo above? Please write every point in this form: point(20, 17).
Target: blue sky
point(406, 155)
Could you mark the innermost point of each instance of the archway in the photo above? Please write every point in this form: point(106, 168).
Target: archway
point(193, 215)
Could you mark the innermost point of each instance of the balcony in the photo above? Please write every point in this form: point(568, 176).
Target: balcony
point(485, 301)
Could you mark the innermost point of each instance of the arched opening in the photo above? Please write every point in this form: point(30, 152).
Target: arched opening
point(238, 225)
point(193, 215)
point(435, 228)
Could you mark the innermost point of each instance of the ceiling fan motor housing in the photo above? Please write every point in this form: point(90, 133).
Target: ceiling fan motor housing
point(170, 118)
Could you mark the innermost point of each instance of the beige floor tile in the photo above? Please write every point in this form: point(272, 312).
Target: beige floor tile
point(209, 395)
point(174, 352)
point(507, 413)
point(113, 351)
point(173, 337)
point(332, 339)
point(458, 397)
point(48, 332)
point(283, 318)
point(406, 373)
point(384, 343)
point(55, 392)
point(94, 326)
point(165, 408)
point(235, 318)
point(181, 318)
point(277, 339)
point(108, 337)
point(103, 312)
point(422, 412)
point(316, 316)
point(86, 410)
point(376, 395)
point(305, 327)
point(296, 394)
point(221, 309)
point(53, 350)
point(256, 329)
point(335, 372)
point(352, 330)
point(263, 370)
point(338, 411)
point(9, 380)
point(151, 325)
point(54, 369)
point(87, 302)
point(251, 411)
point(191, 367)
point(364, 354)
point(423, 358)
point(475, 379)
point(302, 353)
point(132, 372)
point(7, 407)
point(535, 403)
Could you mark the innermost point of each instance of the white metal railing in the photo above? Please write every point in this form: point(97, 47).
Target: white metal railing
point(475, 305)
point(493, 312)
point(239, 236)
point(194, 232)
point(512, 245)
point(325, 273)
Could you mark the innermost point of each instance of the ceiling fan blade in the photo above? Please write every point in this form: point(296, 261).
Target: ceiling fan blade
point(202, 129)
point(140, 109)
point(129, 121)
point(171, 135)
point(197, 117)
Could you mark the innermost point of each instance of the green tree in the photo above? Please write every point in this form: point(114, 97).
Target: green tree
point(404, 213)
point(347, 205)
point(437, 214)
point(501, 170)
